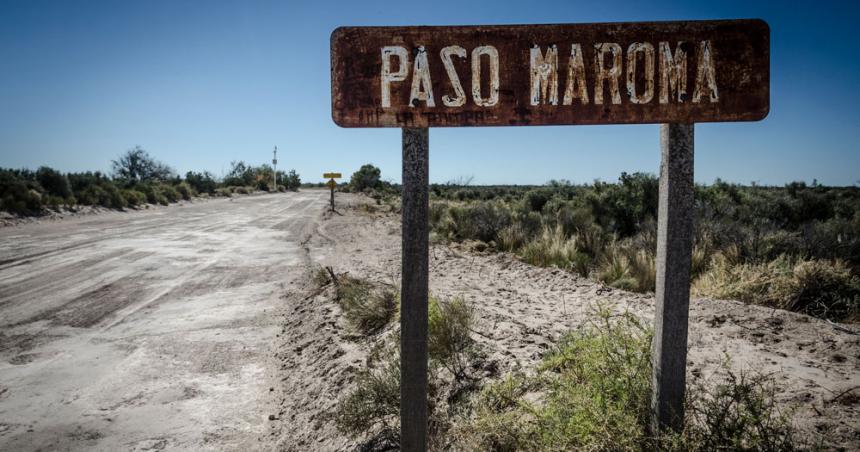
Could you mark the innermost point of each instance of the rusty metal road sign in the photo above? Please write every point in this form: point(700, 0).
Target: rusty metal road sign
point(331, 175)
point(516, 75)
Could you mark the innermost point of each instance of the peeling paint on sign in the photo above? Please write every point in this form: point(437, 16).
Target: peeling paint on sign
point(551, 74)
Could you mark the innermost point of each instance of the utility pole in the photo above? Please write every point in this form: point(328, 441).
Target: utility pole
point(275, 168)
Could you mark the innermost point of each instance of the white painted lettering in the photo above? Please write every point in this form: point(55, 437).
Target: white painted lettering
point(603, 73)
point(544, 75)
point(673, 73)
point(459, 98)
point(388, 76)
point(421, 77)
point(705, 75)
point(648, 51)
point(493, 55)
point(576, 83)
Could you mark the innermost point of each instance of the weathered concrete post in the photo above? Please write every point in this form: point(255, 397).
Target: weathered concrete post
point(674, 251)
point(414, 288)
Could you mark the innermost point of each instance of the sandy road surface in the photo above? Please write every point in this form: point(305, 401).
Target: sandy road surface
point(147, 330)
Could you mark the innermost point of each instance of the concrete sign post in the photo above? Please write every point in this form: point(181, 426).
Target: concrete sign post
point(414, 290)
point(669, 73)
point(674, 253)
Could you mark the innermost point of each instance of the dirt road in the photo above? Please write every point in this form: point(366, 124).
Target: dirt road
point(147, 330)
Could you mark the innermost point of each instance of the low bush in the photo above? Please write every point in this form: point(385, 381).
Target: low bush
point(224, 191)
point(54, 182)
point(201, 182)
point(134, 198)
point(374, 403)
point(185, 191)
point(153, 193)
point(17, 195)
point(170, 193)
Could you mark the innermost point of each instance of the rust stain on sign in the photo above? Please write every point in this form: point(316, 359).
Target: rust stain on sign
point(513, 75)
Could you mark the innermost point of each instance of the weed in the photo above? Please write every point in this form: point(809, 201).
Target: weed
point(449, 327)
point(367, 309)
point(374, 403)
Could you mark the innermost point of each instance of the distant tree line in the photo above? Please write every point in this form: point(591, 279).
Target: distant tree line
point(136, 179)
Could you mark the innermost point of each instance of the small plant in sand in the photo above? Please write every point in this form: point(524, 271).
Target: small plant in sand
point(449, 342)
point(366, 307)
point(374, 403)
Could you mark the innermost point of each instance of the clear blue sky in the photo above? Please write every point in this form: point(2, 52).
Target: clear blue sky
point(199, 84)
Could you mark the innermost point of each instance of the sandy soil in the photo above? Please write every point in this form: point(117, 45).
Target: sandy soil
point(523, 310)
point(149, 330)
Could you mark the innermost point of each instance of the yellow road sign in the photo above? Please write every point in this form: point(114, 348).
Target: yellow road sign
point(331, 183)
point(332, 175)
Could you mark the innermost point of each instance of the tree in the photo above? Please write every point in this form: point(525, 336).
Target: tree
point(368, 176)
point(240, 175)
point(136, 165)
point(292, 180)
point(201, 182)
point(54, 182)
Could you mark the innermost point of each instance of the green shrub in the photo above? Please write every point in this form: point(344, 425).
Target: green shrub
point(367, 177)
point(134, 198)
point(54, 182)
point(592, 392)
point(185, 191)
point(479, 221)
point(374, 404)
point(536, 199)
point(16, 196)
point(243, 190)
point(224, 191)
point(170, 193)
point(740, 414)
point(153, 193)
point(201, 182)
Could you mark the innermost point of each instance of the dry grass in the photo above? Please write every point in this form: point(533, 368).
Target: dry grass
point(817, 287)
point(366, 308)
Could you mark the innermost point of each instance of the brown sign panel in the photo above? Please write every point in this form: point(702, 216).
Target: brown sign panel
point(514, 75)
point(331, 175)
